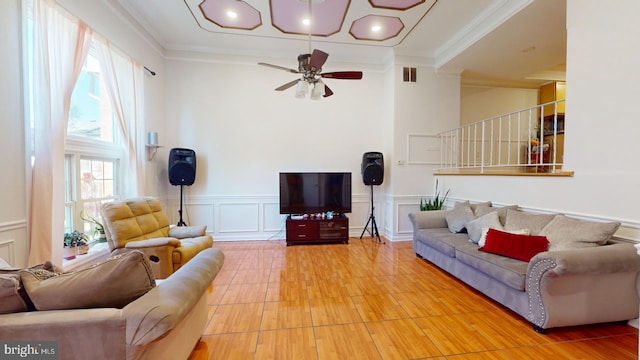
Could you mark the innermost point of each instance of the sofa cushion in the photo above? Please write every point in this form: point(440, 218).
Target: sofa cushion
point(112, 283)
point(509, 271)
point(189, 248)
point(502, 212)
point(134, 219)
point(10, 298)
point(477, 207)
point(182, 232)
point(459, 216)
point(517, 220)
point(474, 227)
point(442, 240)
point(567, 233)
point(12, 295)
point(521, 247)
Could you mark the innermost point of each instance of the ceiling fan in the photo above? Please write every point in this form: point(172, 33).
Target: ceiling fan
point(310, 66)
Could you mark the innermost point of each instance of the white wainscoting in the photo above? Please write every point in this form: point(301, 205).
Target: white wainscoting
point(8, 250)
point(13, 242)
point(237, 218)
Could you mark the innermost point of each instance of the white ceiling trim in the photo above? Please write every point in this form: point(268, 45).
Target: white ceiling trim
point(483, 24)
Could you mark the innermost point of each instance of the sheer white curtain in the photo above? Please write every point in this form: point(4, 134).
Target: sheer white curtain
point(61, 44)
point(123, 79)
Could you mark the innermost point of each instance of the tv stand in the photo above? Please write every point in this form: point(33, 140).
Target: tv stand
point(318, 231)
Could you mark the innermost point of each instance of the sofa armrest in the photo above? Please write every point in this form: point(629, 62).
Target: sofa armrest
point(80, 334)
point(163, 307)
point(137, 244)
point(595, 260)
point(183, 232)
point(559, 282)
point(428, 219)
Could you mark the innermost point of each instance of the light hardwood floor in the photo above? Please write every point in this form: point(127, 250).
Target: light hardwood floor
point(368, 301)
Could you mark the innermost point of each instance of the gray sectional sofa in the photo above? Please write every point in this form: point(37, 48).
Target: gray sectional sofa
point(584, 277)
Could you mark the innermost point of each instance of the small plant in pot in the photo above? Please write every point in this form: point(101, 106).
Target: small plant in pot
point(98, 229)
point(71, 242)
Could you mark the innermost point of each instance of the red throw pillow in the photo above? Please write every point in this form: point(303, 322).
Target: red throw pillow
point(521, 247)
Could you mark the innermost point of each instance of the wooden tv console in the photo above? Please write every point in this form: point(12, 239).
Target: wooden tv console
point(318, 231)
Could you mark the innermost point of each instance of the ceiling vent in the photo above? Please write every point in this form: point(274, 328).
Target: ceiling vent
point(409, 74)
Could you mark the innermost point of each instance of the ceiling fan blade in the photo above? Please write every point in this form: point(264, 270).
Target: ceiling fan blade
point(317, 59)
point(347, 75)
point(279, 67)
point(327, 91)
point(287, 85)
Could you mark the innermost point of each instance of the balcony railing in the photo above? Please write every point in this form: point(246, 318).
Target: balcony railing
point(525, 141)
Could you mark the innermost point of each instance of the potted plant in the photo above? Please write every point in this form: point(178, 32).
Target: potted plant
point(99, 235)
point(83, 246)
point(71, 242)
point(436, 203)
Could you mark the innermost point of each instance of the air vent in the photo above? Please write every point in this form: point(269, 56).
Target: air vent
point(409, 74)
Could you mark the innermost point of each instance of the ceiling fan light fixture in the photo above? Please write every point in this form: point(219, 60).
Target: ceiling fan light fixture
point(302, 89)
point(318, 91)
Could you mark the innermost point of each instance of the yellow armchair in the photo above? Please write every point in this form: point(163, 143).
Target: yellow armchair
point(141, 224)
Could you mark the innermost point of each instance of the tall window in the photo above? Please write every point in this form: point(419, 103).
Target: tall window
point(93, 152)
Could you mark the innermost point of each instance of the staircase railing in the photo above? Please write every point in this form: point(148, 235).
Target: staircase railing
point(520, 141)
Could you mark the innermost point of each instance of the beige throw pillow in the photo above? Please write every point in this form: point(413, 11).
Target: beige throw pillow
point(475, 207)
point(459, 216)
point(517, 220)
point(502, 212)
point(112, 283)
point(12, 295)
point(567, 233)
point(474, 227)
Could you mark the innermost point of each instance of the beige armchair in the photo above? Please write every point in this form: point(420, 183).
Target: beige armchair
point(141, 224)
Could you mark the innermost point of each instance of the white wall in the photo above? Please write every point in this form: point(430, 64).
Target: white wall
point(245, 133)
point(13, 212)
point(422, 109)
point(480, 102)
point(602, 126)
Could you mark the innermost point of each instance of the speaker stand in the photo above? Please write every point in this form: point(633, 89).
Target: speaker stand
point(181, 222)
point(372, 219)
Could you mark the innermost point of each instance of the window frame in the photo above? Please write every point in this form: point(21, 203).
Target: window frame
point(76, 149)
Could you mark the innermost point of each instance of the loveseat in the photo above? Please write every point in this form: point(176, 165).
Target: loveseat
point(165, 322)
point(583, 275)
point(141, 224)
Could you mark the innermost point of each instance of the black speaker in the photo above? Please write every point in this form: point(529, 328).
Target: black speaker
point(372, 168)
point(182, 166)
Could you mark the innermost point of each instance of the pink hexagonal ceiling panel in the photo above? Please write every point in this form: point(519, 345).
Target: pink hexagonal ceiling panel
point(375, 27)
point(231, 14)
point(395, 4)
point(292, 16)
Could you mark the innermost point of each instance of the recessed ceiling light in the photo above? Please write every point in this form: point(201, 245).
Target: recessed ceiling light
point(376, 28)
point(232, 14)
point(306, 21)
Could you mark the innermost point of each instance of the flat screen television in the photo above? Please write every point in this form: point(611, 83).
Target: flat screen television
point(315, 192)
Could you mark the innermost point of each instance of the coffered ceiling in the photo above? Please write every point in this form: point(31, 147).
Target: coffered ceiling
point(501, 41)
